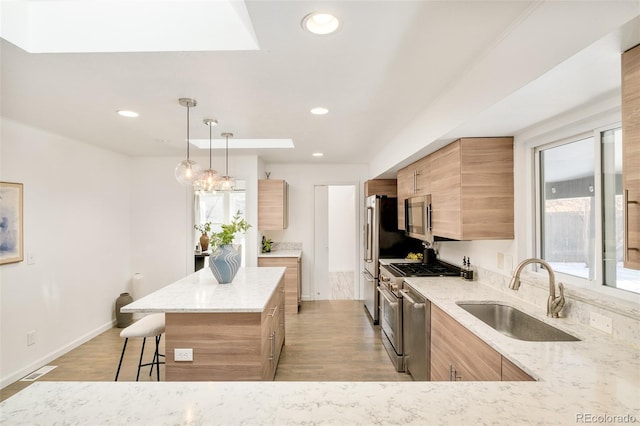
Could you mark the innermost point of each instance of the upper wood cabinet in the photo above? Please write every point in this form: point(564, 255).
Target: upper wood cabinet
point(631, 155)
point(413, 180)
point(386, 187)
point(472, 189)
point(273, 204)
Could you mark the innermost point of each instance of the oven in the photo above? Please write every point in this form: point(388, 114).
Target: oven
point(391, 316)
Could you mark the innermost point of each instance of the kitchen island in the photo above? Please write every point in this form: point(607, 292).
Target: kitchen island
point(233, 331)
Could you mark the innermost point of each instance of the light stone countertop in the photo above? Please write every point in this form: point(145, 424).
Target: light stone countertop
point(249, 291)
point(282, 253)
point(577, 382)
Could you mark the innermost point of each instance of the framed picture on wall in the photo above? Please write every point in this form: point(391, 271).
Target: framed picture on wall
point(11, 227)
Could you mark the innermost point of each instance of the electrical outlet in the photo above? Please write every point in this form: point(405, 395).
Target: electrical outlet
point(183, 355)
point(31, 259)
point(508, 263)
point(31, 338)
point(501, 261)
point(601, 322)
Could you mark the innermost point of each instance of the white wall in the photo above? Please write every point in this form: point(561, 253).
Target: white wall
point(76, 224)
point(342, 225)
point(301, 179)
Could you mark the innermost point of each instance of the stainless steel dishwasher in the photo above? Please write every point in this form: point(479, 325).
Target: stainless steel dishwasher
point(416, 323)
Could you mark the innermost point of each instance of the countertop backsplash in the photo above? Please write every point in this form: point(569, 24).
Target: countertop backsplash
point(277, 246)
point(580, 303)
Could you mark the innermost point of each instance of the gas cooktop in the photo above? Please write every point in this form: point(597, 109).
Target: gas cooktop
point(437, 269)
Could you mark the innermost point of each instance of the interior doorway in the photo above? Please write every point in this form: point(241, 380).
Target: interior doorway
point(335, 243)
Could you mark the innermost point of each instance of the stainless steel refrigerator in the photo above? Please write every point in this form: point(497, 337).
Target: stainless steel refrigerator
point(382, 239)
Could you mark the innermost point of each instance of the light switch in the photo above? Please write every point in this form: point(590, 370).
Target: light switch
point(31, 258)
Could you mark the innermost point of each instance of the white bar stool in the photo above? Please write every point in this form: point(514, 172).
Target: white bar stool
point(149, 326)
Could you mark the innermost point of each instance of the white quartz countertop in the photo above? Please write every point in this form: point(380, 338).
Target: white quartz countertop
point(596, 380)
point(283, 253)
point(249, 291)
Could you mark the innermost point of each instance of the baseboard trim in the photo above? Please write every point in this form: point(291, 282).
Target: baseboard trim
point(17, 375)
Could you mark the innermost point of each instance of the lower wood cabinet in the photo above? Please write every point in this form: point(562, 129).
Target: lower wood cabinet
point(459, 355)
point(292, 280)
point(227, 346)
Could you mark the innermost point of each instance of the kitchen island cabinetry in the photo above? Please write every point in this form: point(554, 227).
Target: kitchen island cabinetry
point(631, 155)
point(292, 278)
point(235, 330)
point(273, 204)
point(472, 189)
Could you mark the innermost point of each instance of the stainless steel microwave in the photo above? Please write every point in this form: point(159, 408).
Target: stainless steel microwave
point(417, 212)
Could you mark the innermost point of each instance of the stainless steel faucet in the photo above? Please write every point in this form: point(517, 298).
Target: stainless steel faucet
point(554, 304)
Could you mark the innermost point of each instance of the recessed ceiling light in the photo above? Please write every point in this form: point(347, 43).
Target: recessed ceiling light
point(317, 154)
point(130, 114)
point(319, 111)
point(320, 23)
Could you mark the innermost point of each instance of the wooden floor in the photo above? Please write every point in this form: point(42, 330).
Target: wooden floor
point(329, 340)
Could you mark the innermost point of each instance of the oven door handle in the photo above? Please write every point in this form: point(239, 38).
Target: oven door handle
point(388, 296)
point(367, 276)
point(411, 300)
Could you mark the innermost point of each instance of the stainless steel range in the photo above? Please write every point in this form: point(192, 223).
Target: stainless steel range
point(391, 303)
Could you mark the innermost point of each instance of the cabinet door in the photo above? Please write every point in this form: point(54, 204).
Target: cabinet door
point(405, 190)
point(486, 188)
point(457, 354)
point(272, 204)
point(423, 176)
point(513, 373)
point(445, 191)
point(291, 279)
point(631, 155)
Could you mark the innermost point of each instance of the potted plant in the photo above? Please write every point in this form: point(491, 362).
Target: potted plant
point(266, 244)
point(205, 229)
point(225, 259)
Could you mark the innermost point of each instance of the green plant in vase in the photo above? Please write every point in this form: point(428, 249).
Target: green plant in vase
point(266, 244)
point(229, 231)
point(225, 259)
point(204, 229)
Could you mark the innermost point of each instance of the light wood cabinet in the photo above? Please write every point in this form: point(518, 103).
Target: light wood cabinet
point(227, 346)
point(412, 181)
point(273, 204)
point(459, 355)
point(513, 373)
point(292, 280)
point(386, 187)
point(472, 189)
point(631, 155)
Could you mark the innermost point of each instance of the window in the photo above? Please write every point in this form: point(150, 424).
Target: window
point(219, 208)
point(580, 209)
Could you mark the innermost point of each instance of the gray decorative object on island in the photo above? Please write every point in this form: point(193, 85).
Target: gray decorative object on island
point(224, 263)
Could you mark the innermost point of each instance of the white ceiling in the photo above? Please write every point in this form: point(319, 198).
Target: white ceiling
point(390, 62)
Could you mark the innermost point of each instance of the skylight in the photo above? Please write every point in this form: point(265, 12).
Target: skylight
point(78, 26)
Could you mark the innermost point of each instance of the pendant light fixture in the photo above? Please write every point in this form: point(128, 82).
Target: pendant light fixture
point(208, 179)
point(187, 171)
point(227, 183)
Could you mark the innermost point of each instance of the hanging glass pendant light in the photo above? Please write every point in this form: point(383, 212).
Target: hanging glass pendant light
point(187, 171)
point(227, 183)
point(208, 179)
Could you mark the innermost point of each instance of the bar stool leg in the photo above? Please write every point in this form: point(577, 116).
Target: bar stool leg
point(157, 356)
point(140, 362)
point(121, 356)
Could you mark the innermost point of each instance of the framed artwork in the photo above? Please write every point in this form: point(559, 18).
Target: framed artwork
point(11, 227)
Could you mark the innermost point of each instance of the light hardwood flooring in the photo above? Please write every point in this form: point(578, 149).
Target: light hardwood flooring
point(341, 284)
point(329, 340)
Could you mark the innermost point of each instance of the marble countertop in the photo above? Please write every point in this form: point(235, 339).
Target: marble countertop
point(282, 253)
point(596, 380)
point(249, 291)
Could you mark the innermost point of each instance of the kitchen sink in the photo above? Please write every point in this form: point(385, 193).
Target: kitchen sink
point(514, 323)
